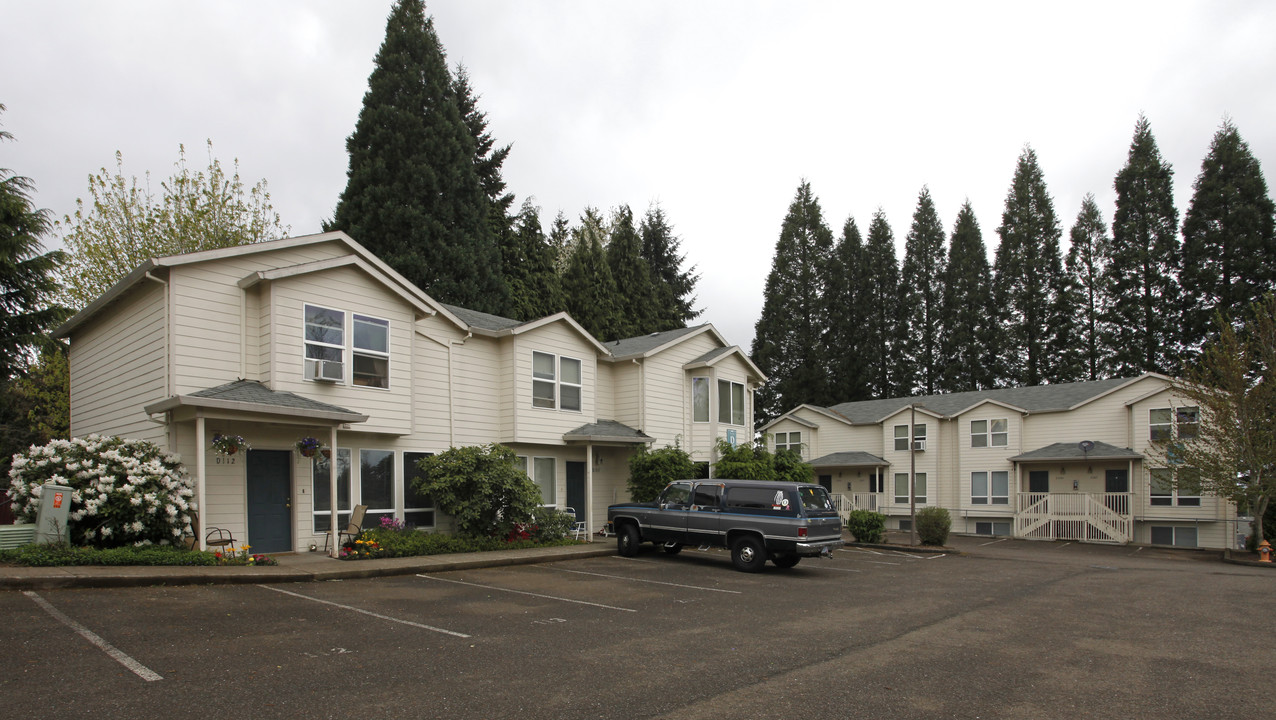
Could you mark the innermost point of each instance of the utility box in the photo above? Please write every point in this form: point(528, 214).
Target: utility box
point(50, 522)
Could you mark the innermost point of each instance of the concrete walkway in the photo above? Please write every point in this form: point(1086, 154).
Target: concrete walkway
point(295, 567)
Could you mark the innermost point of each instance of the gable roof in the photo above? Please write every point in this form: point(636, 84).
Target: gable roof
point(1031, 399)
point(849, 459)
point(1072, 451)
point(253, 396)
point(608, 431)
point(803, 421)
point(644, 345)
point(370, 262)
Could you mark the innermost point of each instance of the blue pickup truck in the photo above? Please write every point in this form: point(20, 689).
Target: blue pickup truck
point(756, 520)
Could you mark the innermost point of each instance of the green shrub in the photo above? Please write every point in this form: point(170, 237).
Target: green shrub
point(933, 524)
point(481, 487)
point(412, 543)
point(651, 470)
point(550, 524)
point(753, 461)
point(866, 526)
point(61, 555)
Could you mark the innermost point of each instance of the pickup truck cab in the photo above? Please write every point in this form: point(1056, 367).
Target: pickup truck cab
point(756, 520)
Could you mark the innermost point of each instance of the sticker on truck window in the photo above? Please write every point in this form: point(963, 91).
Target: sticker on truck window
point(780, 502)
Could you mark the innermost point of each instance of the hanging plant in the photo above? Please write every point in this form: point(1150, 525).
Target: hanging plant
point(308, 446)
point(230, 444)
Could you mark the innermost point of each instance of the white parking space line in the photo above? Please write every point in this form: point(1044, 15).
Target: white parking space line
point(524, 592)
point(369, 613)
point(653, 582)
point(138, 668)
point(839, 569)
point(1063, 546)
point(860, 551)
point(994, 542)
point(901, 553)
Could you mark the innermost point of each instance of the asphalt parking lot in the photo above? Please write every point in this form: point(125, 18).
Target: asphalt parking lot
point(1009, 629)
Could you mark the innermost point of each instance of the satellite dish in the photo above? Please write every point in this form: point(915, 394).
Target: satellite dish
point(1086, 446)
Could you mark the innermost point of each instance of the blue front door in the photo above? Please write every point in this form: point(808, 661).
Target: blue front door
point(270, 500)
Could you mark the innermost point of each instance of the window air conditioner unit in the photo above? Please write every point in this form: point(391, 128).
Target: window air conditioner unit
point(324, 370)
point(919, 445)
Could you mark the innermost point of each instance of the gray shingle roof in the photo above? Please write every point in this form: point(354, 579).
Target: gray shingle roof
point(607, 431)
point(485, 321)
point(1035, 399)
point(848, 459)
point(1072, 451)
point(645, 343)
point(712, 355)
point(251, 391)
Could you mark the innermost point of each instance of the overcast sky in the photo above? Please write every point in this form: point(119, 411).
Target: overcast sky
point(716, 110)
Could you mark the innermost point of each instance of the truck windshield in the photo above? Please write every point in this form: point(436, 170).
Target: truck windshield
point(815, 498)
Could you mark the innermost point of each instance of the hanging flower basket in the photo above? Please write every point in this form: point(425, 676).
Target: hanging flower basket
point(230, 444)
point(308, 446)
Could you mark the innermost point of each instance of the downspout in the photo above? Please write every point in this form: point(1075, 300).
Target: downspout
point(713, 422)
point(642, 394)
point(589, 490)
point(201, 471)
point(168, 331)
point(451, 392)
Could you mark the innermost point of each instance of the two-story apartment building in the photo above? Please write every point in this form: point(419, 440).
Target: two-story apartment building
point(1081, 461)
point(314, 336)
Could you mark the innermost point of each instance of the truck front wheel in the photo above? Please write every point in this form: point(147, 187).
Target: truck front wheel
point(627, 540)
point(747, 554)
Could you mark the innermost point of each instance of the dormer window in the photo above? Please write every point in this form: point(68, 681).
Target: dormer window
point(557, 382)
point(328, 341)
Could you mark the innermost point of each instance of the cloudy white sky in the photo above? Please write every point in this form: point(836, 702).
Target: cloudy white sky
point(716, 110)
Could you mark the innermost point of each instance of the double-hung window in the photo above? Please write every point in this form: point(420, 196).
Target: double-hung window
point(730, 402)
point(542, 472)
point(325, 334)
point(371, 352)
point(1164, 424)
point(919, 487)
point(789, 441)
point(700, 399)
point(990, 488)
point(556, 382)
point(901, 437)
point(1166, 493)
point(989, 433)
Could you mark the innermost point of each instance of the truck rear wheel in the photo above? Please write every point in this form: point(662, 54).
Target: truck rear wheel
point(747, 554)
point(627, 540)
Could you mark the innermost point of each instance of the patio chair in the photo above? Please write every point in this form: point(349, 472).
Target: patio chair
point(579, 529)
point(215, 538)
point(352, 528)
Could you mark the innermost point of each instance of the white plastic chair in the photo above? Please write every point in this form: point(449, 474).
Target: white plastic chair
point(580, 531)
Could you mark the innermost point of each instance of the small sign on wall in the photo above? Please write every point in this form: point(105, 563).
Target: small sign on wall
point(731, 438)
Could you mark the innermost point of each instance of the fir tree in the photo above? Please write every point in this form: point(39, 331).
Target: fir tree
point(847, 315)
point(535, 287)
point(675, 288)
point(560, 242)
point(921, 289)
point(1142, 265)
point(788, 344)
point(588, 288)
point(1025, 270)
point(635, 295)
point(488, 158)
point(880, 297)
point(968, 342)
point(414, 195)
point(1229, 248)
point(1089, 243)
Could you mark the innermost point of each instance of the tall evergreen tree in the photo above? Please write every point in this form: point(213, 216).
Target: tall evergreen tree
point(588, 287)
point(847, 315)
point(968, 342)
point(535, 287)
point(880, 296)
point(1142, 266)
point(1089, 243)
point(414, 195)
point(635, 294)
point(788, 343)
point(1025, 268)
point(675, 288)
point(560, 242)
point(1229, 247)
point(920, 292)
point(488, 158)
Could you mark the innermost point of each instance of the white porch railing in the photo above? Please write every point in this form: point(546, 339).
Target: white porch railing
point(856, 501)
point(1091, 517)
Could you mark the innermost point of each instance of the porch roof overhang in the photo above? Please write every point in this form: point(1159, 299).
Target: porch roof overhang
point(607, 431)
point(250, 396)
point(1072, 452)
point(849, 459)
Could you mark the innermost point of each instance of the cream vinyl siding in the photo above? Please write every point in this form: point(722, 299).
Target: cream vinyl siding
point(430, 401)
point(478, 381)
point(352, 292)
point(667, 397)
point(205, 313)
point(1102, 419)
point(605, 391)
point(1141, 484)
point(543, 425)
point(622, 382)
point(986, 459)
point(117, 366)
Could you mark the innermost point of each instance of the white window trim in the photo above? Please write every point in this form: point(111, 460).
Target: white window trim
point(306, 341)
point(899, 437)
point(553, 500)
point(357, 498)
point(788, 443)
point(991, 498)
point(332, 463)
point(730, 399)
point(404, 510)
point(989, 435)
point(563, 383)
point(368, 352)
point(347, 348)
point(920, 479)
point(1175, 497)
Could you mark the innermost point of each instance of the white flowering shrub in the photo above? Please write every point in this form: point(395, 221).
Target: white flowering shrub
point(123, 492)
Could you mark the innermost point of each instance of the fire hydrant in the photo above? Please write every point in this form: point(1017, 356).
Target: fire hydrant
point(1265, 552)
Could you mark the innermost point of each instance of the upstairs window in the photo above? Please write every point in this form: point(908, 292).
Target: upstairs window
point(730, 402)
point(989, 433)
point(371, 352)
point(569, 386)
point(325, 334)
point(1164, 424)
point(1160, 425)
point(543, 381)
point(556, 382)
point(789, 441)
point(901, 437)
point(700, 399)
point(1188, 422)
